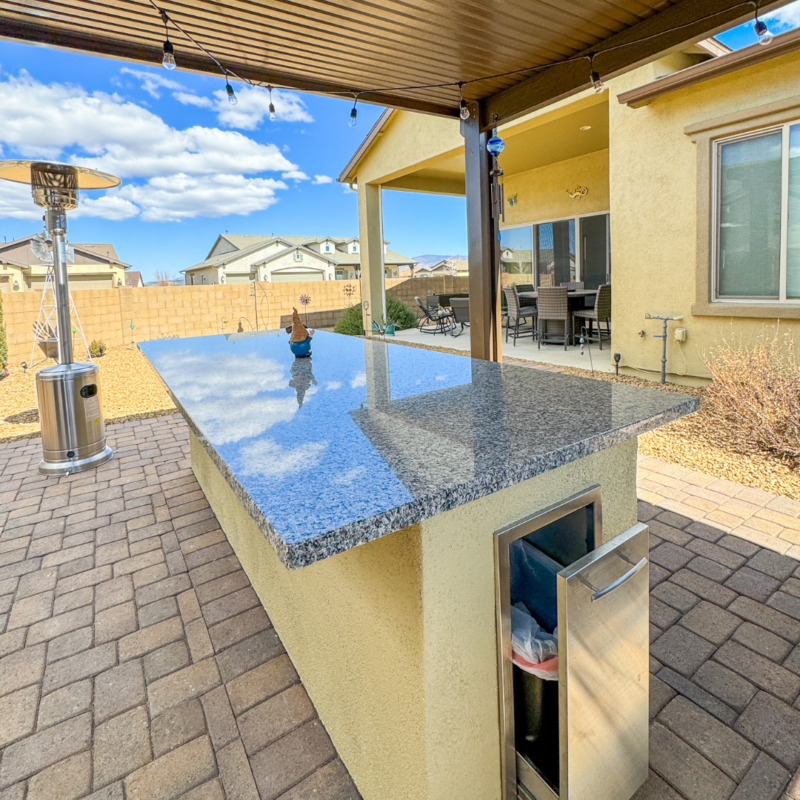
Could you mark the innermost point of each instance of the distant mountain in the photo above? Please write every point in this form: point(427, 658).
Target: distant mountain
point(430, 259)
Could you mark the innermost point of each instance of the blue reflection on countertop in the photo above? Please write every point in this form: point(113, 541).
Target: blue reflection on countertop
point(284, 426)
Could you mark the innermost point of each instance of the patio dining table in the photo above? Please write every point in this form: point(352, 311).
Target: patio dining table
point(573, 295)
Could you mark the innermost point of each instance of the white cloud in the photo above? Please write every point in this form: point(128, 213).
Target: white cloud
point(180, 196)
point(267, 457)
point(253, 107)
point(151, 82)
point(188, 99)
point(360, 379)
point(295, 174)
point(785, 18)
point(110, 206)
point(198, 171)
point(331, 385)
point(320, 179)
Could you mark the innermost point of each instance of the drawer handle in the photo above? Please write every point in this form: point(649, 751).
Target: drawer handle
point(619, 581)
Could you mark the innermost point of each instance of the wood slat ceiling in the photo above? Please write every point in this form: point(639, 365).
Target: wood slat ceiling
point(386, 49)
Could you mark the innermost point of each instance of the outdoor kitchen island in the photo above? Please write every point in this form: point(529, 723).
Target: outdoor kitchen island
point(363, 490)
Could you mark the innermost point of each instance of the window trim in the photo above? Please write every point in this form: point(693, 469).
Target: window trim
point(705, 134)
point(578, 249)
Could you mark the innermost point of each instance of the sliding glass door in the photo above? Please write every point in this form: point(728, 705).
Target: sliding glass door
point(561, 251)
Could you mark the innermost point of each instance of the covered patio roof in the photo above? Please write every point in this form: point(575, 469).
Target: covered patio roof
point(511, 55)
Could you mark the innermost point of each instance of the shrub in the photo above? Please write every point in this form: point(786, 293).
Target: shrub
point(96, 349)
point(755, 394)
point(351, 321)
point(3, 340)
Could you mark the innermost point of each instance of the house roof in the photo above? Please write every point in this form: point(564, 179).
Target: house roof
point(133, 278)
point(252, 243)
point(510, 57)
point(25, 256)
point(724, 64)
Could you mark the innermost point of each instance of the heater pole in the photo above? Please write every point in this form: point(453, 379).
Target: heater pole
point(56, 220)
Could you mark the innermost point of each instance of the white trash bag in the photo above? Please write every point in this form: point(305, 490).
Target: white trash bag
point(535, 651)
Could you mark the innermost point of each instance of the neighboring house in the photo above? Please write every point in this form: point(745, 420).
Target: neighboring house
point(455, 267)
point(679, 186)
point(241, 259)
point(133, 279)
point(96, 266)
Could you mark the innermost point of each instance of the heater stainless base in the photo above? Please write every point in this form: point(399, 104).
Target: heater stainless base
point(72, 465)
point(73, 431)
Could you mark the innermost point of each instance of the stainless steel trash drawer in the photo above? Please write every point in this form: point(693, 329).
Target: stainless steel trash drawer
point(603, 685)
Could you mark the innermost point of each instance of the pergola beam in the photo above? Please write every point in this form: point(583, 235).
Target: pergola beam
point(686, 21)
point(43, 34)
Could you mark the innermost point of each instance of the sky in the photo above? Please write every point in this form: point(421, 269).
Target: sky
point(193, 166)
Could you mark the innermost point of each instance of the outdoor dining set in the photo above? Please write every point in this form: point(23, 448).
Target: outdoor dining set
point(562, 314)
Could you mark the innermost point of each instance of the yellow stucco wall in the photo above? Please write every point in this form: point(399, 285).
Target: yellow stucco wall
point(654, 210)
point(395, 640)
point(542, 193)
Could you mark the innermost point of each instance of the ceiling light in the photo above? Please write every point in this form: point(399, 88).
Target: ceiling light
point(586, 127)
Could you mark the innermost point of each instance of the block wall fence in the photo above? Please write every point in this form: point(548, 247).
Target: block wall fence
point(181, 311)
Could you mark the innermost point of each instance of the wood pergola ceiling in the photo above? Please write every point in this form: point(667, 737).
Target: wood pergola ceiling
point(402, 54)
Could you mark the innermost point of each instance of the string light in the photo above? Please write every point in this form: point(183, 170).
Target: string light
point(272, 115)
point(168, 59)
point(231, 94)
point(764, 34)
point(353, 113)
point(594, 77)
point(463, 111)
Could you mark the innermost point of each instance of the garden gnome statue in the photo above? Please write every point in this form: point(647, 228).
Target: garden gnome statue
point(300, 339)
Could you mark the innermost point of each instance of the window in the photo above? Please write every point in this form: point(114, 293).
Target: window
point(561, 251)
point(298, 256)
point(757, 216)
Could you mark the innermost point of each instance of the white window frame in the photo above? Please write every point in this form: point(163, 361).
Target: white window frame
point(716, 165)
point(578, 249)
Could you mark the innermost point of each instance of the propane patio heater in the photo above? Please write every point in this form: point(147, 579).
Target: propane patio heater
point(73, 431)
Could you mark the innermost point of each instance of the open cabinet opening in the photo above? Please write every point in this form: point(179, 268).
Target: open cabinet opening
point(577, 612)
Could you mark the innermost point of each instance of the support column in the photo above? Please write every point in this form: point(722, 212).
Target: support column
point(483, 244)
point(370, 228)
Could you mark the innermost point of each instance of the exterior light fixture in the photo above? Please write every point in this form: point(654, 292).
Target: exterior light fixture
point(16, 286)
point(354, 114)
point(272, 115)
point(463, 111)
point(231, 94)
point(765, 37)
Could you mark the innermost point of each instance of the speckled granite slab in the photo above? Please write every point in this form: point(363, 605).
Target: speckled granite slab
point(365, 438)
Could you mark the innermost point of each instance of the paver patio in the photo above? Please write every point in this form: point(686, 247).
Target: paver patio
point(136, 661)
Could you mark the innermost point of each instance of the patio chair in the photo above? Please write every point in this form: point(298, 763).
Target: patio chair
point(526, 301)
point(442, 321)
point(600, 312)
point(573, 286)
point(432, 302)
point(460, 308)
point(518, 313)
point(553, 305)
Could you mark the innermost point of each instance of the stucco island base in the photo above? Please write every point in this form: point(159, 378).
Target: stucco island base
point(394, 640)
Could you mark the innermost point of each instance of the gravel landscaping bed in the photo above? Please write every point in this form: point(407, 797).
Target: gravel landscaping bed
point(131, 390)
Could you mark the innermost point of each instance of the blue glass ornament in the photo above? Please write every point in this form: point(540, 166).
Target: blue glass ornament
point(495, 145)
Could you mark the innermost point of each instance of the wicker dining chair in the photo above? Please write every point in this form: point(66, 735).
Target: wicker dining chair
point(573, 286)
point(518, 313)
point(553, 304)
point(600, 312)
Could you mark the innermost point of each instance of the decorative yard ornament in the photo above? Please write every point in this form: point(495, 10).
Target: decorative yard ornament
point(300, 337)
point(495, 146)
point(73, 431)
point(512, 201)
point(305, 301)
point(581, 191)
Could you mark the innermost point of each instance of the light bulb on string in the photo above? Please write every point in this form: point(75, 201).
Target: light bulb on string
point(463, 111)
point(594, 77)
point(760, 27)
point(168, 58)
point(353, 114)
point(272, 115)
point(231, 94)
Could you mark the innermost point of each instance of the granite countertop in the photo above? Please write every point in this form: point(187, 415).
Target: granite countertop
point(365, 438)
